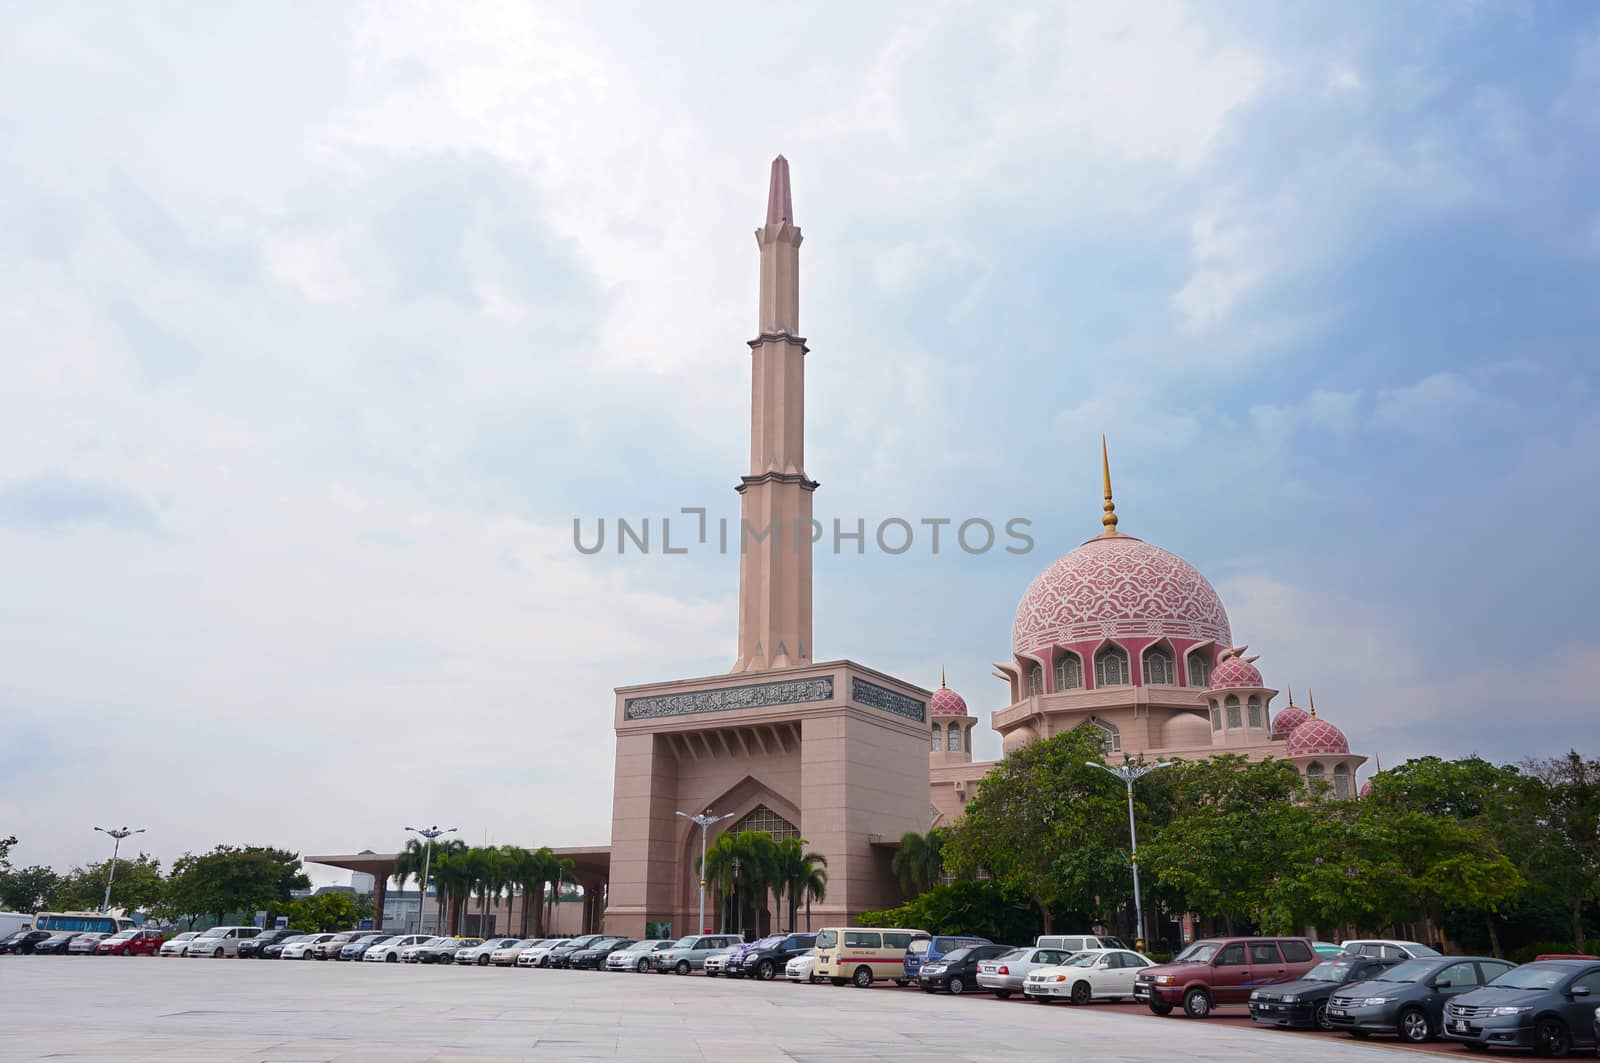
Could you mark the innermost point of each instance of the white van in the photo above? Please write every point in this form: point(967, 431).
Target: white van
point(220, 941)
point(862, 955)
point(1078, 942)
point(11, 922)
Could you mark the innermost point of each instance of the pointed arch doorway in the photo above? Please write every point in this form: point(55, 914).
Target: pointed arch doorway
point(743, 912)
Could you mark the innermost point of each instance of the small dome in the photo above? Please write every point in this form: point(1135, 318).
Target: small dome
point(946, 702)
point(1235, 671)
point(1366, 788)
point(1316, 736)
point(1285, 722)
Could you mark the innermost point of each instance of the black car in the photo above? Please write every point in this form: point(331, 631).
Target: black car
point(766, 962)
point(250, 948)
point(593, 958)
point(55, 944)
point(1304, 1003)
point(558, 956)
point(23, 941)
point(1409, 998)
point(274, 951)
point(1548, 1006)
point(957, 971)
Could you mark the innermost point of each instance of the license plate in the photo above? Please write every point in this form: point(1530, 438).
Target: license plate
point(1339, 1012)
point(1462, 1026)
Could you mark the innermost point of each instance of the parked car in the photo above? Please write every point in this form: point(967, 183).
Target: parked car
point(329, 947)
point(1005, 974)
point(1409, 998)
point(300, 948)
point(390, 951)
point(863, 955)
point(178, 945)
point(957, 971)
point(716, 961)
point(413, 953)
point(1385, 948)
point(1094, 974)
point(1548, 1006)
point(637, 957)
point(130, 943)
point(506, 955)
point(22, 942)
point(1305, 1003)
point(558, 954)
point(444, 950)
point(689, 953)
point(274, 951)
point(926, 950)
point(84, 944)
point(55, 944)
point(220, 941)
point(478, 955)
point(803, 968)
point(593, 958)
point(1070, 943)
point(562, 957)
point(1222, 971)
point(356, 948)
point(539, 955)
point(251, 948)
point(766, 959)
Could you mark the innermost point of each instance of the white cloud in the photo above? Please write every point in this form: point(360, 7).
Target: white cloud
point(1435, 407)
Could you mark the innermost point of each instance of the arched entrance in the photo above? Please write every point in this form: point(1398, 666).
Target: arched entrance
point(746, 911)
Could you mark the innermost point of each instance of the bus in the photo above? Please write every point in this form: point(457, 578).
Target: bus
point(97, 922)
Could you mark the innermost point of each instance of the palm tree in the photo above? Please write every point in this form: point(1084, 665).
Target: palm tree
point(793, 866)
point(741, 865)
point(557, 870)
point(484, 878)
point(453, 879)
point(919, 861)
point(518, 866)
point(814, 884)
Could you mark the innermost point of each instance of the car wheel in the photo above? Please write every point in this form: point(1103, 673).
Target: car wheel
point(1197, 1004)
point(126, 951)
point(217, 955)
point(391, 958)
point(1415, 1027)
point(682, 967)
point(1081, 993)
point(483, 961)
point(643, 966)
point(862, 978)
point(1161, 1007)
point(766, 971)
point(1320, 1016)
point(957, 986)
point(836, 981)
point(1002, 994)
point(1551, 1040)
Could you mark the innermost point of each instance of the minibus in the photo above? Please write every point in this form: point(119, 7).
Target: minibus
point(862, 955)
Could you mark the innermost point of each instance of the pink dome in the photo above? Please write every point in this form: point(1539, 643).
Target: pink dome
point(1366, 788)
point(1285, 722)
point(946, 702)
point(1117, 585)
point(1235, 672)
point(1316, 736)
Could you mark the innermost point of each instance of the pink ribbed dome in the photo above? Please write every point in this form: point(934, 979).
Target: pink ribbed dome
point(946, 702)
point(1235, 672)
point(1285, 722)
point(1366, 788)
point(1117, 585)
point(1317, 736)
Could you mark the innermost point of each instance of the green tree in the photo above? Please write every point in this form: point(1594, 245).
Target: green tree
point(138, 885)
point(919, 861)
point(799, 876)
point(743, 866)
point(27, 889)
point(1565, 795)
point(230, 879)
point(966, 906)
point(325, 911)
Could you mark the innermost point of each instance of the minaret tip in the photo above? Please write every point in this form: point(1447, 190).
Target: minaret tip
point(941, 677)
point(1110, 519)
point(1312, 694)
point(780, 206)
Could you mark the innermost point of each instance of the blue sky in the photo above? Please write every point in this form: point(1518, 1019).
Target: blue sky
point(320, 331)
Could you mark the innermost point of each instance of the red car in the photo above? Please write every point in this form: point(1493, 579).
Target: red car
point(130, 943)
point(1222, 971)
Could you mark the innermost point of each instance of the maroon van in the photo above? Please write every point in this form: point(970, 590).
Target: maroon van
point(1222, 971)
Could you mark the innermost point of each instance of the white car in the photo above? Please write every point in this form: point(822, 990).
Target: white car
point(637, 957)
point(1387, 949)
point(717, 960)
point(300, 948)
point(389, 951)
point(1008, 974)
point(220, 941)
point(1094, 974)
point(479, 955)
point(177, 946)
point(537, 956)
point(801, 967)
point(506, 955)
point(411, 954)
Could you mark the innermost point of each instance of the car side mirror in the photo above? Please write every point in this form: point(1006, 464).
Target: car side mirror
point(1579, 990)
point(1442, 983)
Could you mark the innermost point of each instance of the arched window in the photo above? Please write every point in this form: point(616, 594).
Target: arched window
point(764, 819)
point(1159, 669)
point(1199, 669)
point(954, 731)
point(936, 744)
point(1341, 780)
point(1110, 735)
point(1216, 717)
point(1314, 771)
point(1255, 711)
point(1232, 704)
point(1069, 672)
point(1035, 680)
point(1111, 667)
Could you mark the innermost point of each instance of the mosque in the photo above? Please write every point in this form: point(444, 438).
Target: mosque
point(1118, 634)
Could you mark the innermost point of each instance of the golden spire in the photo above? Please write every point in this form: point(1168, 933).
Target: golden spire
point(1110, 519)
point(941, 677)
point(1291, 694)
point(1313, 695)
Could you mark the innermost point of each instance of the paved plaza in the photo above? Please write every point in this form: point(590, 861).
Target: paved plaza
point(232, 1011)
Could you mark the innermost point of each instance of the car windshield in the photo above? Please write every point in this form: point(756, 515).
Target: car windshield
point(1532, 976)
point(1409, 971)
point(1082, 959)
point(124, 935)
point(827, 939)
point(66, 935)
point(1199, 952)
point(186, 935)
point(1014, 954)
point(957, 955)
point(767, 943)
point(1329, 971)
point(215, 932)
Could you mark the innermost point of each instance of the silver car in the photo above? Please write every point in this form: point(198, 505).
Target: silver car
point(479, 955)
point(689, 953)
point(638, 956)
point(84, 944)
point(1005, 974)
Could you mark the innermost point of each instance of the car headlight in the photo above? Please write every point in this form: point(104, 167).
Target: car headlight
point(1510, 1011)
point(1373, 1002)
point(1256, 995)
point(1165, 979)
point(1291, 1000)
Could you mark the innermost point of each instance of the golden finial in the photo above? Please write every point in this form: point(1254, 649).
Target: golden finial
point(1291, 694)
point(1110, 519)
point(1312, 694)
point(941, 677)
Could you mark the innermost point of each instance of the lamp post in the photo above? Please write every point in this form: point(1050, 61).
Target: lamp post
point(704, 820)
point(118, 833)
point(429, 833)
point(1131, 772)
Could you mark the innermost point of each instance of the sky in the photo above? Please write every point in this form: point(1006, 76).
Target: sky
point(321, 325)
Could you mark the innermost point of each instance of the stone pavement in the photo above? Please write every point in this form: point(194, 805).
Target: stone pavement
point(136, 1009)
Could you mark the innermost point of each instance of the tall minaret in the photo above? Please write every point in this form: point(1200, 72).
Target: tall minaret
point(775, 536)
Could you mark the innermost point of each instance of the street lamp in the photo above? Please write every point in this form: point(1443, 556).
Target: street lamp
point(1130, 773)
point(704, 820)
point(118, 833)
point(429, 833)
